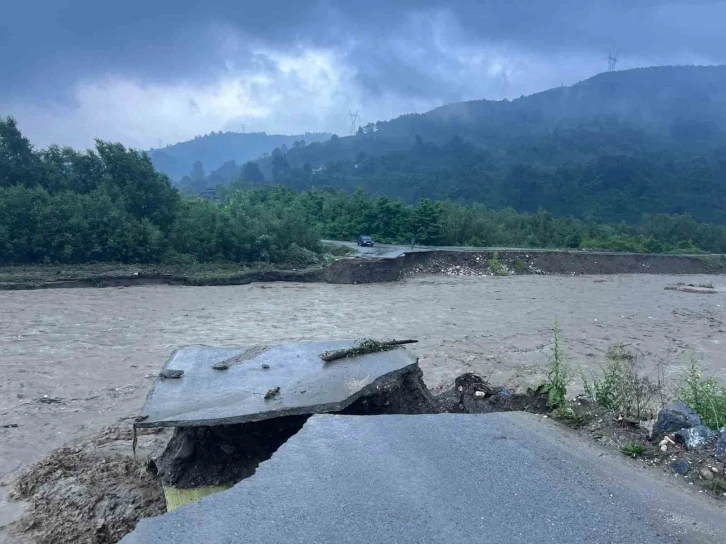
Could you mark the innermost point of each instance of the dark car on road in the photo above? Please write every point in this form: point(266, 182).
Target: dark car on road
point(364, 240)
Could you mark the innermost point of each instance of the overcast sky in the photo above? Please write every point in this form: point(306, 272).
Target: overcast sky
point(144, 72)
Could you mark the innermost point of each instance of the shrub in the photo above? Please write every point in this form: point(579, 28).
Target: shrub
point(705, 396)
point(624, 387)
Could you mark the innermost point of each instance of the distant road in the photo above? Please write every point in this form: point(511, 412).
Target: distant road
point(388, 251)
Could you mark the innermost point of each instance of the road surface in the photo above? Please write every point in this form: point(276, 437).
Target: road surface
point(441, 478)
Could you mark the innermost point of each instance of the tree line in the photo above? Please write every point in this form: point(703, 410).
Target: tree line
point(59, 205)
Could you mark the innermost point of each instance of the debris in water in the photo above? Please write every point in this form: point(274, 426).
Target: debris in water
point(363, 347)
point(272, 393)
point(45, 399)
point(171, 373)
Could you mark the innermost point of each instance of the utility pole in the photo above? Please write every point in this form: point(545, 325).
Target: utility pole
point(354, 117)
point(612, 61)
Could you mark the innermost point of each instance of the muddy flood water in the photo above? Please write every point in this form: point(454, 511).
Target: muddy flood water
point(73, 360)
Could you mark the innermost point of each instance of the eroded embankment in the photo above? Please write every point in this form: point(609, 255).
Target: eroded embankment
point(478, 263)
point(447, 262)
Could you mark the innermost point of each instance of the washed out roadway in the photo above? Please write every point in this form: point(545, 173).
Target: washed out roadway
point(440, 478)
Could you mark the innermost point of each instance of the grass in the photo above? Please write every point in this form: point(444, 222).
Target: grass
point(559, 375)
point(496, 266)
point(705, 396)
point(624, 387)
point(572, 416)
point(717, 486)
point(520, 266)
point(633, 449)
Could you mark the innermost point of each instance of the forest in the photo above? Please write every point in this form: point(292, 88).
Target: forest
point(59, 205)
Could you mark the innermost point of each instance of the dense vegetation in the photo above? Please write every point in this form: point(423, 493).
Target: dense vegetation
point(221, 154)
point(337, 215)
point(111, 204)
point(60, 205)
point(608, 149)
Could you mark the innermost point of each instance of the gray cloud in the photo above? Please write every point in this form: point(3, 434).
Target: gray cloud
point(65, 62)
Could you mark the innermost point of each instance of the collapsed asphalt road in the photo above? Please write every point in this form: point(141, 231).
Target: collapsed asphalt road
point(504, 477)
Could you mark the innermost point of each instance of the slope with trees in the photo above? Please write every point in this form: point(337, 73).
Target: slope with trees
point(218, 151)
point(607, 149)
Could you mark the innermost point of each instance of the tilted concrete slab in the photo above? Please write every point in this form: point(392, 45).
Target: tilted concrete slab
point(440, 478)
point(206, 396)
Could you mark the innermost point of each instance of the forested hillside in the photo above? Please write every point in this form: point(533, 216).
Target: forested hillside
point(220, 154)
point(608, 149)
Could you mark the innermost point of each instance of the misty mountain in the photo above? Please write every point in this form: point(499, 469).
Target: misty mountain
point(217, 148)
point(609, 148)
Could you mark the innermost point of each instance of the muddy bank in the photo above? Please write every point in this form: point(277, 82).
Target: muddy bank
point(445, 262)
point(475, 263)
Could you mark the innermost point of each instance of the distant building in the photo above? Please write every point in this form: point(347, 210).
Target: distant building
point(318, 169)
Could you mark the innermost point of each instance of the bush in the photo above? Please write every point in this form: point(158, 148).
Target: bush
point(705, 396)
point(624, 388)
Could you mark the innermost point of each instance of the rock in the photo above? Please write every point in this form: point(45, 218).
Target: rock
point(720, 451)
point(681, 466)
point(695, 437)
point(171, 374)
point(706, 474)
point(220, 366)
point(674, 418)
point(584, 400)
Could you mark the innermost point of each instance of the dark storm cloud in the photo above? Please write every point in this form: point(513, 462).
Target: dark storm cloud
point(47, 45)
point(193, 66)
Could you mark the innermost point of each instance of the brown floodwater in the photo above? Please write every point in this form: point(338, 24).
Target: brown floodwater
point(73, 360)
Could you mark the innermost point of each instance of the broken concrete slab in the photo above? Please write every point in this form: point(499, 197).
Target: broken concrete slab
point(439, 478)
point(213, 455)
point(204, 395)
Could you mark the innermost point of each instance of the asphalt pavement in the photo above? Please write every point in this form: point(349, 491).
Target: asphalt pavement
point(507, 477)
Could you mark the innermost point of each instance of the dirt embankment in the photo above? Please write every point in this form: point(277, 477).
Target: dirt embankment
point(446, 262)
point(475, 263)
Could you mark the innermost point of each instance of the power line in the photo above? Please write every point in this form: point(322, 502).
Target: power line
point(354, 117)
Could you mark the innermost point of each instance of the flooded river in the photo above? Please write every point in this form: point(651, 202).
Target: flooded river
point(72, 360)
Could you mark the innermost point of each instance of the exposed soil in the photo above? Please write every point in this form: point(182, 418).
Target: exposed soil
point(449, 262)
point(93, 493)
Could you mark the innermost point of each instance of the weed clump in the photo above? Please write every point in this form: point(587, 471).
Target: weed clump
point(496, 266)
point(633, 449)
point(559, 375)
point(624, 387)
point(705, 396)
